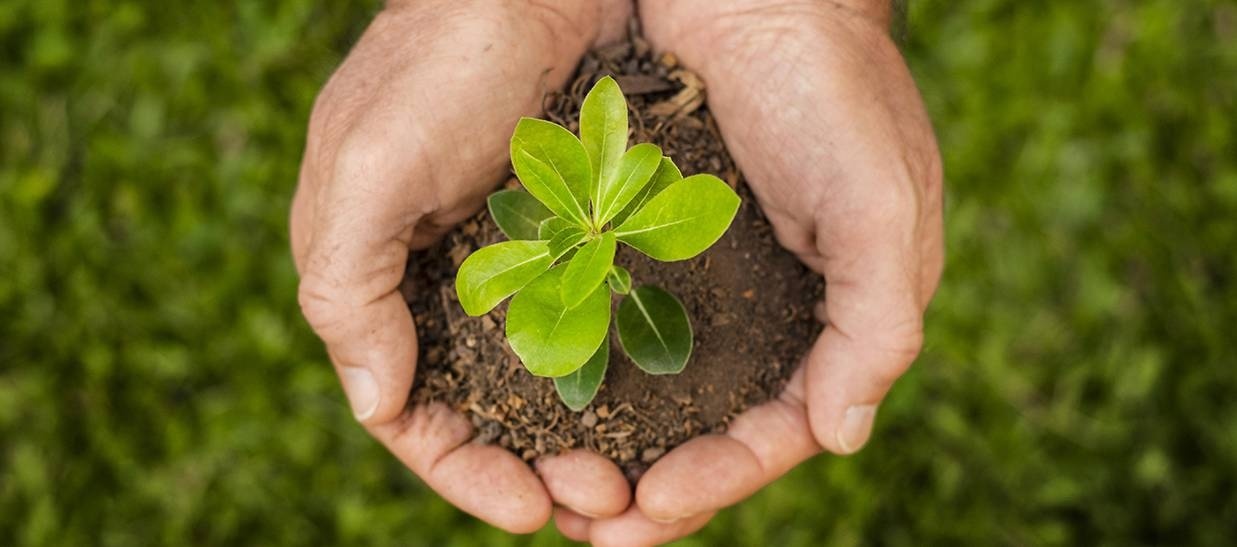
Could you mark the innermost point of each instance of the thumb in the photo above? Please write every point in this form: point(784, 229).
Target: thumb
point(874, 324)
point(351, 271)
point(849, 373)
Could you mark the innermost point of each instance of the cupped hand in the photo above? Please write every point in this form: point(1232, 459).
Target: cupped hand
point(404, 141)
point(821, 114)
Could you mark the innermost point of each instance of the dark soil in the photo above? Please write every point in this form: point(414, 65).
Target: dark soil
point(750, 303)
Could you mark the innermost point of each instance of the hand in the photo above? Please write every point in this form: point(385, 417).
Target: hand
point(821, 114)
point(405, 140)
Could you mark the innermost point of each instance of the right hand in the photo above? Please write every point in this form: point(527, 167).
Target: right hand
point(405, 140)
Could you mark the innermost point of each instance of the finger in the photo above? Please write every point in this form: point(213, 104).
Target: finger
point(483, 480)
point(352, 268)
point(796, 236)
point(586, 483)
point(874, 308)
point(715, 471)
point(573, 526)
point(634, 529)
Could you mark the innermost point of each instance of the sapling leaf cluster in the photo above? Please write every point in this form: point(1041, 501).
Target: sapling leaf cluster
point(583, 197)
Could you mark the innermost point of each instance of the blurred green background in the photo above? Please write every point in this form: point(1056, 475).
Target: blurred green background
point(158, 386)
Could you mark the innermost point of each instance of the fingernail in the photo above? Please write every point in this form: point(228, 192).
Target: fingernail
point(586, 514)
point(666, 521)
point(856, 427)
point(362, 391)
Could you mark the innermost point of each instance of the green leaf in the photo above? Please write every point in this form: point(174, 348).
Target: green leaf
point(493, 273)
point(667, 173)
point(565, 240)
point(559, 149)
point(517, 213)
point(634, 171)
point(550, 227)
point(603, 131)
point(547, 186)
point(578, 388)
point(654, 330)
point(619, 279)
point(550, 338)
point(587, 269)
point(683, 220)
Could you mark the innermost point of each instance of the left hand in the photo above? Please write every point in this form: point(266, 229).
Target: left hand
point(822, 116)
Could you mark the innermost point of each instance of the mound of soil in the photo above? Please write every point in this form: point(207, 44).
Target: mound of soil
point(749, 300)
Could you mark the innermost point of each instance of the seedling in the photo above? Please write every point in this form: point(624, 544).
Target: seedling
point(585, 196)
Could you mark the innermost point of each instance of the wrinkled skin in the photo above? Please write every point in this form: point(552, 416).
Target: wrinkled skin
point(820, 113)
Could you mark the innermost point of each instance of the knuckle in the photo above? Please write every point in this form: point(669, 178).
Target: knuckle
point(901, 344)
point(368, 162)
point(358, 157)
point(894, 203)
point(322, 306)
point(334, 110)
point(887, 212)
point(891, 205)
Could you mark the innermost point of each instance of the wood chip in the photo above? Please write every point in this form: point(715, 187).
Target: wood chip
point(515, 401)
point(686, 101)
point(458, 253)
point(650, 455)
point(642, 84)
point(588, 419)
point(640, 47)
point(615, 51)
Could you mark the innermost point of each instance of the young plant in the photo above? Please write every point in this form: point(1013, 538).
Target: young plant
point(584, 197)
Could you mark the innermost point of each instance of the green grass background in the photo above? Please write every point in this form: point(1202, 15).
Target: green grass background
point(158, 386)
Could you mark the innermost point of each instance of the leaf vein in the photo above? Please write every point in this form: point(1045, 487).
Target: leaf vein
point(640, 305)
point(570, 205)
point(655, 227)
point(509, 268)
point(523, 216)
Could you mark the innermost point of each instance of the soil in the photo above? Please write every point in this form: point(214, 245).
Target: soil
point(750, 303)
